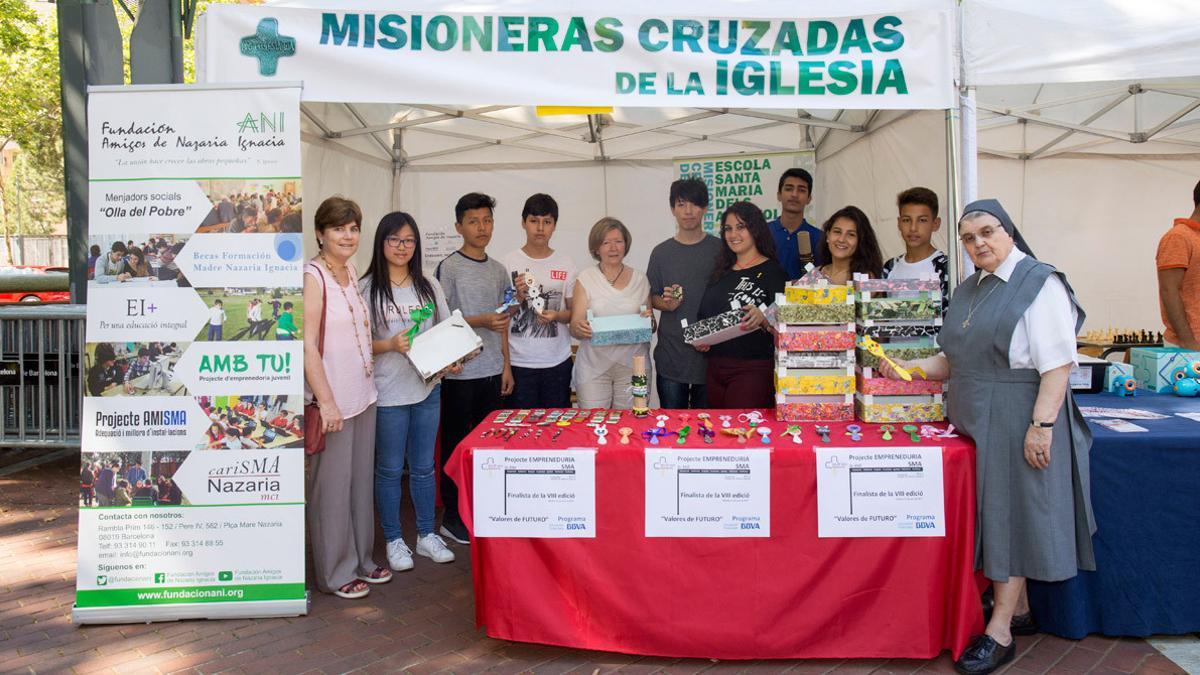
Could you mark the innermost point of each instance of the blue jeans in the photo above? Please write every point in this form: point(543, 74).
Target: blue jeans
point(680, 396)
point(542, 387)
point(406, 431)
point(214, 332)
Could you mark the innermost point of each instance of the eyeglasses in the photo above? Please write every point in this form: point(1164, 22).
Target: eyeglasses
point(985, 232)
point(397, 242)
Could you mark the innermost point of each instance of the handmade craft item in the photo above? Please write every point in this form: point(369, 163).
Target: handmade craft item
point(875, 349)
point(795, 432)
point(854, 431)
point(815, 314)
point(898, 309)
point(418, 315)
point(620, 329)
point(926, 411)
point(814, 384)
point(742, 434)
point(764, 434)
point(601, 435)
point(823, 431)
point(640, 387)
point(885, 431)
point(821, 340)
point(811, 411)
point(886, 387)
point(911, 430)
point(816, 295)
point(682, 434)
point(868, 360)
point(625, 432)
point(448, 343)
point(714, 330)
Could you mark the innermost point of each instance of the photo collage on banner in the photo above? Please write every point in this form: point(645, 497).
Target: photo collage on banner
point(191, 496)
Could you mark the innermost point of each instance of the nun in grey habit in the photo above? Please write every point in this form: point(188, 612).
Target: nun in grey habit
point(1008, 344)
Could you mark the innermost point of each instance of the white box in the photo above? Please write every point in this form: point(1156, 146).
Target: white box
point(444, 345)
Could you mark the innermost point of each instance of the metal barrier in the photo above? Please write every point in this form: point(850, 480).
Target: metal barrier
point(41, 375)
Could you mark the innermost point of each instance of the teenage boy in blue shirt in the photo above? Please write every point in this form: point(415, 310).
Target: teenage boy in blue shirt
point(795, 239)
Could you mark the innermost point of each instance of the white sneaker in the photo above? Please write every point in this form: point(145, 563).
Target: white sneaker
point(434, 547)
point(399, 555)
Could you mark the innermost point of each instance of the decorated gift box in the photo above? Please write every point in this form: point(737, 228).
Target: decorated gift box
point(814, 408)
point(815, 339)
point(619, 329)
point(814, 314)
point(1152, 366)
point(930, 285)
point(450, 342)
point(796, 384)
point(904, 353)
point(839, 360)
point(816, 295)
point(898, 309)
point(716, 329)
point(897, 409)
point(890, 331)
point(888, 387)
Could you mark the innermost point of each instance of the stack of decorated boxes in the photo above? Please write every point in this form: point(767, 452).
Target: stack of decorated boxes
point(904, 316)
point(814, 350)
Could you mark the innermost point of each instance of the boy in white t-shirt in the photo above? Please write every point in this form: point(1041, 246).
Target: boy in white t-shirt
point(216, 320)
point(917, 222)
point(538, 341)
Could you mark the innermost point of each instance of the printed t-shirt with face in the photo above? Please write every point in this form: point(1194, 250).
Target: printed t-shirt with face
point(532, 344)
point(476, 287)
point(756, 285)
point(397, 381)
point(690, 266)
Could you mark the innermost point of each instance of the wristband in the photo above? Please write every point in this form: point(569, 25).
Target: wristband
point(1042, 425)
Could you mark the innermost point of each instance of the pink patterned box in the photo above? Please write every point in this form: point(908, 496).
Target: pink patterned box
point(886, 387)
point(897, 285)
point(815, 341)
point(814, 412)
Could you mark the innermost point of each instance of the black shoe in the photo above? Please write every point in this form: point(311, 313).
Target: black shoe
point(984, 655)
point(1023, 624)
point(454, 528)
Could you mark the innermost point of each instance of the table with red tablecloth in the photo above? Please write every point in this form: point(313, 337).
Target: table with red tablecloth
point(792, 595)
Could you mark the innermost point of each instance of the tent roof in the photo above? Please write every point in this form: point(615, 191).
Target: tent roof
point(1074, 76)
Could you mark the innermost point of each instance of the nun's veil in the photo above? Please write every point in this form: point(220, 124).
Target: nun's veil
point(992, 207)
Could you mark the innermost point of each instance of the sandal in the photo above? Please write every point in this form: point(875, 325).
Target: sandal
point(381, 575)
point(352, 590)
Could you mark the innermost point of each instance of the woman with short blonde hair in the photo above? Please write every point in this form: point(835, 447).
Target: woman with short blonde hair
point(604, 373)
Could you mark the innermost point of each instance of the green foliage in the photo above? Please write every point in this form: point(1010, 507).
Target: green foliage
point(16, 18)
point(34, 200)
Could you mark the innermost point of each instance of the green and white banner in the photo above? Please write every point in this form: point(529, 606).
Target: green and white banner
point(191, 499)
point(896, 60)
point(742, 178)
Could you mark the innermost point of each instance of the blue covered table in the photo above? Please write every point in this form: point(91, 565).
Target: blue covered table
point(1146, 497)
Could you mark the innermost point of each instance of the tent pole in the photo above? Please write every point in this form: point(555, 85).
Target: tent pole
point(953, 194)
point(398, 163)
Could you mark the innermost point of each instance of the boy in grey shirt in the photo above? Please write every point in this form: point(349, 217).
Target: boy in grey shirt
point(474, 284)
point(679, 271)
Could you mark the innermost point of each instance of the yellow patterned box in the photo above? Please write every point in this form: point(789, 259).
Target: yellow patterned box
point(817, 295)
point(892, 413)
point(814, 384)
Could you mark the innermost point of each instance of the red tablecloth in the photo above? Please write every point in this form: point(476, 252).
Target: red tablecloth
point(788, 596)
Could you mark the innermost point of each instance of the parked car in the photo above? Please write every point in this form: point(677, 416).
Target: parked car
point(34, 283)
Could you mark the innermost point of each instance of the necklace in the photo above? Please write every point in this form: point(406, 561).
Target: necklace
point(752, 263)
point(974, 306)
point(833, 280)
point(613, 281)
point(353, 319)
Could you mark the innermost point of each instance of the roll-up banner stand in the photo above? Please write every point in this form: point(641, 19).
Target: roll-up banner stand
point(192, 476)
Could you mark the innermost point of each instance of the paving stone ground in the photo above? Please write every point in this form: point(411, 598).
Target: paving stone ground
point(422, 622)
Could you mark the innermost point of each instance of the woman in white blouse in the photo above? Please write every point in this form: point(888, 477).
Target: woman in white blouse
point(603, 374)
point(1008, 344)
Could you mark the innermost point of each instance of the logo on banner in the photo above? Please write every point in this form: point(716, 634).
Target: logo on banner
point(260, 475)
point(268, 46)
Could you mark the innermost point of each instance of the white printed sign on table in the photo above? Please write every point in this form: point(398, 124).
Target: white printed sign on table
point(708, 493)
point(534, 493)
point(880, 492)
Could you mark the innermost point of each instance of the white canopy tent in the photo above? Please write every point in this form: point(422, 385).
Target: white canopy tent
point(1083, 117)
